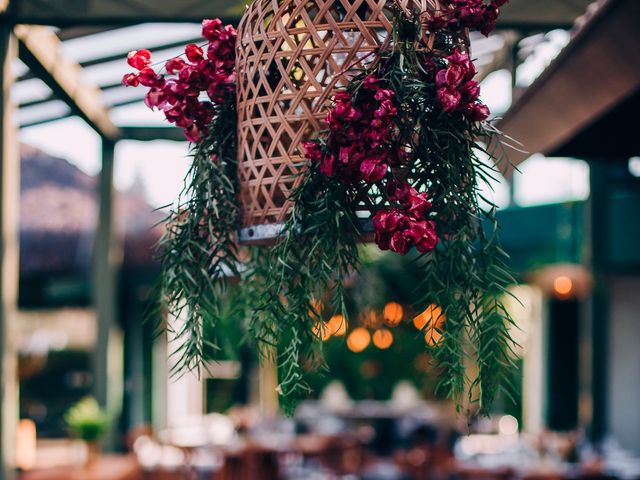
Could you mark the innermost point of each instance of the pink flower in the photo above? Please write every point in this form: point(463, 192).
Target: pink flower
point(149, 78)
point(449, 99)
point(384, 94)
point(342, 97)
point(454, 75)
point(211, 28)
point(174, 65)
point(130, 80)
point(194, 52)
point(417, 204)
point(472, 16)
point(429, 242)
point(386, 109)
point(477, 112)
point(154, 98)
point(139, 59)
point(371, 82)
point(399, 244)
point(373, 170)
point(470, 91)
point(312, 151)
point(460, 58)
point(387, 221)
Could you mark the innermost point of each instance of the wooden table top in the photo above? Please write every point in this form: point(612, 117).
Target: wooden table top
point(108, 467)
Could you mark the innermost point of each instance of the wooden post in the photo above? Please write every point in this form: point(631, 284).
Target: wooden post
point(9, 200)
point(108, 358)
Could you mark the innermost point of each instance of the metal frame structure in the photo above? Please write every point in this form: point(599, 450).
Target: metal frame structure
point(27, 34)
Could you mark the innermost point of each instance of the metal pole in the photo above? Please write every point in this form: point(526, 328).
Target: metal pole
point(9, 251)
point(108, 361)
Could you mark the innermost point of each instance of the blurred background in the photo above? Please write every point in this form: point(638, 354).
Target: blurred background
point(87, 171)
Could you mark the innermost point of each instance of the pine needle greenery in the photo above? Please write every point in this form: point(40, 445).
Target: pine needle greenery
point(466, 275)
point(199, 248)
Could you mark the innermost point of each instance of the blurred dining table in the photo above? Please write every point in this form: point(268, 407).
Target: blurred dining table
point(107, 467)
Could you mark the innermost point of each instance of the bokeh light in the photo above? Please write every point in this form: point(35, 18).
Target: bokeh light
point(563, 286)
point(383, 338)
point(358, 339)
point(392, 313)
point(337, 325)
point(432, 317)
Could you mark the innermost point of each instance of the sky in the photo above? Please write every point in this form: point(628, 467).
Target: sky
point(160, 166)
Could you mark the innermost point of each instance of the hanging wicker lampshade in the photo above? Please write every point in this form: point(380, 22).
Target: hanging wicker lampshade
point(292, 56)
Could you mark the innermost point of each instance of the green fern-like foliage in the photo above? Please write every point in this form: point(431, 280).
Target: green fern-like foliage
point(466, 275)
point(199, 249)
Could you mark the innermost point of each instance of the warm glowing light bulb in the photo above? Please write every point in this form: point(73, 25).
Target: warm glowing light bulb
point(563, 286)
point(432, 317)
point(337, 325)
point(383, 338)
point(322, 331)
point(432, 337)
point(392, 313)
point(358, 339)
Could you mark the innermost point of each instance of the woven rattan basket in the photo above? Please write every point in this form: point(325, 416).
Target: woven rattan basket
point(292, 56)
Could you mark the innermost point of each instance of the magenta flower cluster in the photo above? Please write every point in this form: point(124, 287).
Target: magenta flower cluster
point(178, 92)
point(456, 89)
point(361, 146)
point(401, 228)
point(457, 15)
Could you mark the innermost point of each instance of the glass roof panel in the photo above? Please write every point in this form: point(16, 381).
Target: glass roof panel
point(38, 113)
point(114, 42)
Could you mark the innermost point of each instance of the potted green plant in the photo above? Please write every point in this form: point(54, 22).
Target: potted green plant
point(87, 421)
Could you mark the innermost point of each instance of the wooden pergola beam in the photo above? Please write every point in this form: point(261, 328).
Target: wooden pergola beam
point(39, 49)
point(596, 72)
point(71, 13)
point(518, 14)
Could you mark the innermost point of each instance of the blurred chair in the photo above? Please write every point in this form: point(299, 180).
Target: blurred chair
point(250, 463)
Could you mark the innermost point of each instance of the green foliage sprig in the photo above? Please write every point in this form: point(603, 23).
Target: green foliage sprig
point(199, 248)
point(316, 251)
point(466, 275)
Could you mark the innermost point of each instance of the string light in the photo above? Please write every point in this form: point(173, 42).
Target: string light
point(383, 338)
point(432, 316)
point(563, 286)
point(392, 313)
point(322, 331)
point(337, 325)
point(358, 339)
point(430, 322)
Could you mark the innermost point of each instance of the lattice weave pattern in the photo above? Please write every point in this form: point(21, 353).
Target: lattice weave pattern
point(292, 57)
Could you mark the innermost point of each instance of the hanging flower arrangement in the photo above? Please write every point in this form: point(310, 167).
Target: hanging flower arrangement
point(315, 127)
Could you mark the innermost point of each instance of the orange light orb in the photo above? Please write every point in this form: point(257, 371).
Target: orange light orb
point(563, 286)
point(392, 313)
point(337, 325)
point(322, 331)
point(358, 339)
point(432, 337)
point(383, 338)
point(432, 317)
